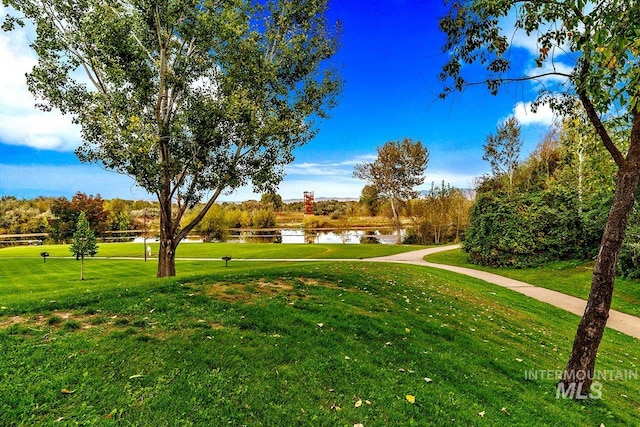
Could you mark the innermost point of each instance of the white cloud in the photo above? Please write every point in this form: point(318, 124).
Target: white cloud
point(548, 70)
point(20, 122)
point(343, 168)
point(543, 116)
point(41, 130)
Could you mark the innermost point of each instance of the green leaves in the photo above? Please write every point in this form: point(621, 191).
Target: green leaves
point(189, 98)
point(503, 149)
point(397, 170)
point(599, 39)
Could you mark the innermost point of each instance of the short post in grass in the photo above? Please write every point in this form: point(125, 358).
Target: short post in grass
point(226, 260)
point(44, 255)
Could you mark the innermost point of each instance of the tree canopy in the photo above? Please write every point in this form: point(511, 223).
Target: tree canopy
point(395, 173)
point(190, 98)
point(502, 149)
point(586, 54)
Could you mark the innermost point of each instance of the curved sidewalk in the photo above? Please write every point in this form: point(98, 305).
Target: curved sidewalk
point(622, 322)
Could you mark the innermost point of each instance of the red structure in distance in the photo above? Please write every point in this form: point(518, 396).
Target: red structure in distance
point(308, 203)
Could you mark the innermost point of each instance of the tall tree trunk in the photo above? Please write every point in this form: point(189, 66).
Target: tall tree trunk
point(579, 373)
point(168, 241)
point(167, 258)
point(396, 219)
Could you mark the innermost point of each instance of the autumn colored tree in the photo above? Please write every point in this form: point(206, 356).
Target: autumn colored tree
point(587, 52)
point(118, 214)
point(395, 173)
point(63, 221)
point(440, 216)
point(93, 208)
point(191, 99)
point(65, 215)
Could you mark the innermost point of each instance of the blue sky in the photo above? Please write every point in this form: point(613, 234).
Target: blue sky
point(389, 60)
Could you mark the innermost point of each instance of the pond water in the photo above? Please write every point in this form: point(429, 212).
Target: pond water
point(317, 236)
point(384, 236)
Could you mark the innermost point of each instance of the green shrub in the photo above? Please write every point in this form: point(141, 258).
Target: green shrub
point(523, 230)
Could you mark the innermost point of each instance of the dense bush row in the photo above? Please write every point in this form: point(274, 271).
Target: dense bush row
point(554, 207)
point(524, 230)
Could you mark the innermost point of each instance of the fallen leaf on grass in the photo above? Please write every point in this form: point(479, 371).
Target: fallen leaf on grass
point(427, 379)
point(481, 414)
point(504, 410)
point(411, 398)
point(359, 403)
point(65, 391)
point(136, 376)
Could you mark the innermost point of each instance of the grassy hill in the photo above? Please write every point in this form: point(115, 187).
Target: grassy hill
point(265, 343)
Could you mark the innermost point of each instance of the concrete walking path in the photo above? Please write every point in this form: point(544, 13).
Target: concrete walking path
point(622, 322)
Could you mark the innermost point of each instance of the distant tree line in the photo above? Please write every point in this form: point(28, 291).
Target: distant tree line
point(439, 216)
point(58, 216)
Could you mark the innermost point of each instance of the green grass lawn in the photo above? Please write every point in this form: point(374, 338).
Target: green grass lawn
point(218, 250)
point(569, 277)
point(309, 343)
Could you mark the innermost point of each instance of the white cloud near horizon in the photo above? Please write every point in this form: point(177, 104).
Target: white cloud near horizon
point(29, 181)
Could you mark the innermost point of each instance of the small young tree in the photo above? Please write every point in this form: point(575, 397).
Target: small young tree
point(503, 149)
point(84, 242)
point(398, 169)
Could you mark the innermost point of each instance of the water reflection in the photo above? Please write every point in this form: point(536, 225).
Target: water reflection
point(320, 236)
